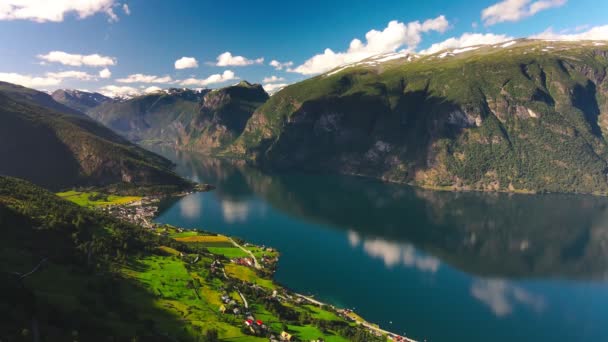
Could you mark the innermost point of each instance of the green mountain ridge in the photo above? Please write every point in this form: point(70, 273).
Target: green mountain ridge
point(56, 148)
point(525, 116)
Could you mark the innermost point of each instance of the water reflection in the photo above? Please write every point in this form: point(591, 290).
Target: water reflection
point(235, 211)
point(501, 296)
point(493, 235)
point(394, 254)
point(191, 206)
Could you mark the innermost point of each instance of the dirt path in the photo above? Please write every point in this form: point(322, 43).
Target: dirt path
point(255, 260)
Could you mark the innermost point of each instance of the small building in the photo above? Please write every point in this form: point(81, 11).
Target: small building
point(222, 309)
point(285, 336)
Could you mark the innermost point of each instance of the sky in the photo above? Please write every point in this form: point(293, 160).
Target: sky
point(128, 47)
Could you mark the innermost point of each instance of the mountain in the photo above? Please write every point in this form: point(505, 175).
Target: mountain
point(159, 117)
point(202, 120)
point(525, 115)
point(39, 98)
point(48, 145)
point(80, 100)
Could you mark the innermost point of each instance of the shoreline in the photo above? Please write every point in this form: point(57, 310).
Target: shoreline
point(147, 221)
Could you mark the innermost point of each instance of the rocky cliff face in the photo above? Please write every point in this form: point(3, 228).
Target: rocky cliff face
point(189, 119)
point(223, 115)
point(527, 116)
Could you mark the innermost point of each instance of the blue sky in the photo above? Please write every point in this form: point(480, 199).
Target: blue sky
point(140, 45)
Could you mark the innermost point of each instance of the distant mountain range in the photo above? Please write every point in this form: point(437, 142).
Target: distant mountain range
point(52, 145)
point(80, 100)
point(520, 116)
point(205, 120)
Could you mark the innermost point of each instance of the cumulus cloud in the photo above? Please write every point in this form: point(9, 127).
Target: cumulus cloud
point(152, 89)
point(141, 78)
point(29, 80)
point(79, 75)
point(94, 60)
point(467, 39)
point(235, 211)
point(280, 65)
point(272, 88)
point(54, 11)
point(114, 90)
point(186, 63)
point(213, 79)
point(126, 9)
point(105, 73)
point(515, 10)
point(396, 35)
point(500, 296)
point(273, 79)
point(227, 59)
point(594, 33)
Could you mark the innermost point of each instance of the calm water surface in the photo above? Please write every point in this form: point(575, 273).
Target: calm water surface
point(434, 265)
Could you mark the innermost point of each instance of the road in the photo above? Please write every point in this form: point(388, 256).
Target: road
point(255, 260)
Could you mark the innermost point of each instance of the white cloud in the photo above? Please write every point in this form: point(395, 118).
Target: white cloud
point(126, 9)
point(54, 11)
point(515, 10)
point(500, 296)
point(227, 59)
point(113, 91)
point(595, 33)
point(94, 60)
point(105, 73)
point(186, 63)
point(28, 80)
point(213, 79)
point(152, 89)
point(467, 39)
point(273, 79)
point(79, 75)
point(141, 78)
point(280, 66)
point(394, 36)
point(272, 88)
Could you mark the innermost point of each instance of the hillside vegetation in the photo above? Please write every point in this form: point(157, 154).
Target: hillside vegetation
point(73, 274)
point(523, 116)
point(57, 149)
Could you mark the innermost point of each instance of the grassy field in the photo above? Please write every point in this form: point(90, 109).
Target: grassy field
point(96, 199)
point(228, 252)
point(248, 275)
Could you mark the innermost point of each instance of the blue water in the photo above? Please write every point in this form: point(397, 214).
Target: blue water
point(438, 266)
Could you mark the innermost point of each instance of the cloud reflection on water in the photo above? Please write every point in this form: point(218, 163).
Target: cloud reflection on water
point(235, 211)
point(501, 296)
point(191, 206)
point(394, 254)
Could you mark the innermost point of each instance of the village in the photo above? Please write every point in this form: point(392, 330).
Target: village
point(264, 261)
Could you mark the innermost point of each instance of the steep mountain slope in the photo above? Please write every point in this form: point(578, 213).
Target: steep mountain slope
point(58, 267)
point(79, 100)
point(24, 94)
point(223, 115)
point(202, 120)
point(57, 150)
point(160, 117)
point(521, 116)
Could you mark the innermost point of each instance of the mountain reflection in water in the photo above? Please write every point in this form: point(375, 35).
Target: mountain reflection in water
point(481, 266)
